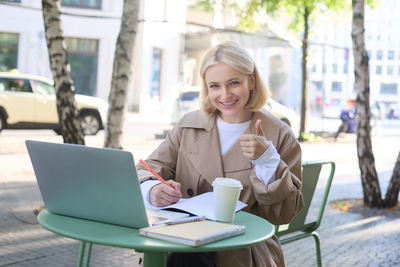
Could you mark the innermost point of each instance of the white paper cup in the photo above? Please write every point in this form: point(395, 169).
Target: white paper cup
point(226, 195)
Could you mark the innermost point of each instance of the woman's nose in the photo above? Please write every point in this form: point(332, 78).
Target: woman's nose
point(225, 91)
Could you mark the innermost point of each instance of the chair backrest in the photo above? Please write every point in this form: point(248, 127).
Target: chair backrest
point(311, 172)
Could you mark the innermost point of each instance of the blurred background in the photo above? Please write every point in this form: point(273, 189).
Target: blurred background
point(173, 35)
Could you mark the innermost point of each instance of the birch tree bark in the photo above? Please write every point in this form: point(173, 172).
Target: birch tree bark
point(68, 114)
point(366, 161)
point(392, 194)
point(304, 59)
point(122, 70)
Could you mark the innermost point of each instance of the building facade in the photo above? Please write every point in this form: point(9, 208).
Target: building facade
point(170, 43)
point(331, 64)
point(91, 29)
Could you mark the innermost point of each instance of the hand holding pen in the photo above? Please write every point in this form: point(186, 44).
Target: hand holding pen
point(164, 194)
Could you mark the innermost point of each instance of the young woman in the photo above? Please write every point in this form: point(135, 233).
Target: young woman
point(231, 136)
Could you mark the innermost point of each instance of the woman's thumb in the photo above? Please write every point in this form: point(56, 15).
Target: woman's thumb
point(259, 130)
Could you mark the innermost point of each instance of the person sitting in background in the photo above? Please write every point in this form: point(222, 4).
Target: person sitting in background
point(392, 114)
point(348, 116)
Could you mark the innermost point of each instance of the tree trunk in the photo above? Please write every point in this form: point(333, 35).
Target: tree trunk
point(121, 74)
point(366, 161)
point(304, 75)
point(392, 194)
point(68, 115)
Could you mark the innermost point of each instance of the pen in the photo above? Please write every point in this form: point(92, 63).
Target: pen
point(154, 173)
point(181, 220)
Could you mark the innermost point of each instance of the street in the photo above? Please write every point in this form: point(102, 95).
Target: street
point(24, 243)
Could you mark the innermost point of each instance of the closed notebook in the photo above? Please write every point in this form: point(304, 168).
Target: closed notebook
point(193, 233)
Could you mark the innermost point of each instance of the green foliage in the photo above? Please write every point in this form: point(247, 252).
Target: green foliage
point(371, 3)
point(204, 5)
point(291, 9)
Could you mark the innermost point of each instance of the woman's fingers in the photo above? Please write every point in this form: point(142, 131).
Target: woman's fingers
point(163, 195)
point(177, 188)
point(253, 146)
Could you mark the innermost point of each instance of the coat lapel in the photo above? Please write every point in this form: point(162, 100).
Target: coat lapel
point(205, 153)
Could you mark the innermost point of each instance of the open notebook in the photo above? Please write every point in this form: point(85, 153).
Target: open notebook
point(198, 205)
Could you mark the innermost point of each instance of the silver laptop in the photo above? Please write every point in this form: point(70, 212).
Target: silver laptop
point(99, 184)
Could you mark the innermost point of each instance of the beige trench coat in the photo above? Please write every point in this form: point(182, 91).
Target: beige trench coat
point(191, 156)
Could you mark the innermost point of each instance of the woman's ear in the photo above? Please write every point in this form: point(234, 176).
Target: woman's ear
point(252, 81)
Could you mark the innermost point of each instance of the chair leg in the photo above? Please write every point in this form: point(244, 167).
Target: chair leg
point(318, 248)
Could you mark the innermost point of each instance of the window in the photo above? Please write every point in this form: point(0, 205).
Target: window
point(346, 55)
point(318, 85)
point(389, 70)
point(369, 54)
point(399, 71)
point(83, 55)
point(42, 88)
point(314, 68)
point(391, 54)
point(155, 73)
point(15, 85)
point(8, 51)
point(12, 1)
point(336, 87)
point(379, 55)
point(323, 68)
point(95, 4)
point(334, 68)
point(388, 88)
point(345, 67)
point(378, 69)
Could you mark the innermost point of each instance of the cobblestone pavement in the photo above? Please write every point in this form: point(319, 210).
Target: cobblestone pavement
point(347, 239)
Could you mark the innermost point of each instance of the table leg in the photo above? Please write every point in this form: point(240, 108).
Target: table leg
point(155, 259)
point(82, 254)
point(88, 255)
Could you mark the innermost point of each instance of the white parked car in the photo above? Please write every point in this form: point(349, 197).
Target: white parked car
point(29, 102)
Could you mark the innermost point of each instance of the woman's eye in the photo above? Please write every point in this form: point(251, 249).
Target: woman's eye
point(213, 86)
point(235, 82)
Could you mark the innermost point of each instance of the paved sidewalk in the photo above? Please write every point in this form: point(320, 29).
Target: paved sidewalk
point(347, 239)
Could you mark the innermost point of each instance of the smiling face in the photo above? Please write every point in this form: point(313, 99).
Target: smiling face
point(229, 91)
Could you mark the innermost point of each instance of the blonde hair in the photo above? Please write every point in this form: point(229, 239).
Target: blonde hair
point(235, 56)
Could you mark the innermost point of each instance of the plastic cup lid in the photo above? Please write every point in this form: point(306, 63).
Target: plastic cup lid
point(227, 182)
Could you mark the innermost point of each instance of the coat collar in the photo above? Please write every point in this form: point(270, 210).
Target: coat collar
point(200, 120)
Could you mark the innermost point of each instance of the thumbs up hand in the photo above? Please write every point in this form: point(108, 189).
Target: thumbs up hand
point(254, 145)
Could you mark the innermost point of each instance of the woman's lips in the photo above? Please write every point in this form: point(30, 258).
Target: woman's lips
point(228, 104)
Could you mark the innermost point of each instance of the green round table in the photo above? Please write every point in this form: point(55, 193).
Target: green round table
point(155, 251)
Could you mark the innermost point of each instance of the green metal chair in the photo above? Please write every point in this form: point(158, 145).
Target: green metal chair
point(311, 173)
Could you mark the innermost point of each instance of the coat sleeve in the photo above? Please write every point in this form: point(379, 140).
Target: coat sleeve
point(281, 200)
point(163, 159)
